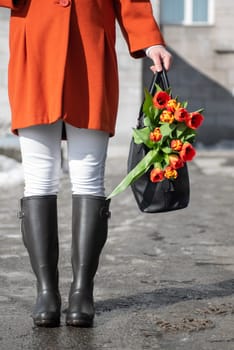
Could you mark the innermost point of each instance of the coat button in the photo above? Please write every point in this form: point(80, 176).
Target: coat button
point(64, 3)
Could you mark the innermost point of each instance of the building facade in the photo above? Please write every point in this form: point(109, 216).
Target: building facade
point(200, 35)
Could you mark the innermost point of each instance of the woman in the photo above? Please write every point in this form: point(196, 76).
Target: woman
point(63, 83)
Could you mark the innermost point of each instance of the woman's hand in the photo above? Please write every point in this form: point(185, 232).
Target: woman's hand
point(160, 56)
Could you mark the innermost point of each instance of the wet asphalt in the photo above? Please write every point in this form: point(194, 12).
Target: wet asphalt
point(165, 281)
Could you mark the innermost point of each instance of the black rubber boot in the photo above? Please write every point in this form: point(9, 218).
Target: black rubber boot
point(89, 233)
point(40, 236)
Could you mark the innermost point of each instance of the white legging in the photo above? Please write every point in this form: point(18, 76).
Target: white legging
point(41, 158)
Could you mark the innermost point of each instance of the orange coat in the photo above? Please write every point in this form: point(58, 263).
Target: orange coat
point(63, 60)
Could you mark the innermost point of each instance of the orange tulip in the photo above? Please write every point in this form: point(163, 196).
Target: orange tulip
point(167, 117)
point(172, 105)
point(156, 135)
point(170, 173)
point(176, 145)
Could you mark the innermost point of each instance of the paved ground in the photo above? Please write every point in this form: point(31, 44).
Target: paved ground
point(166, 281)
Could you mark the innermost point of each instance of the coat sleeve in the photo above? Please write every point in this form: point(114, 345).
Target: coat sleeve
point(138, 25)
point(12, 4)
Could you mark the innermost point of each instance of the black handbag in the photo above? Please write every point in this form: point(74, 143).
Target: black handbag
point(161, 196)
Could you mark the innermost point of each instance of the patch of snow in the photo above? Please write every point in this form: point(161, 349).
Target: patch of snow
point(11, 172)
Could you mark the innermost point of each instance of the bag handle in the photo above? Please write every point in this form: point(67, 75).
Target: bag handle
point(161, 79)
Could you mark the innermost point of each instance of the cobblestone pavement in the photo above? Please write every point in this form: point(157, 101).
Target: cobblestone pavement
point(166, 281)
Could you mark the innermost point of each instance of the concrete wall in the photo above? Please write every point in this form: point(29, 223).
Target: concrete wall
point(203, 70)
point(130, 80)
point(4, 106)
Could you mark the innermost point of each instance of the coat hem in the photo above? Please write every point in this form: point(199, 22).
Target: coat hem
point(14, 128)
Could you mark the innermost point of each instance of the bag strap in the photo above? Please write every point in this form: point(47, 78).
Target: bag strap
point(161, 79)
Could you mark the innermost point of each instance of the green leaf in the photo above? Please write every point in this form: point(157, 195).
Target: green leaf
point(168, 91)
point(184, 104)
point(167, 129)
point(142, 136)
point(156, 117)
point(162, 159)
point(158, 165)
point(166, 149)
point(166, 160)
point(180, 129)
point(200, 110)
point(141, 168)
point(158, 87)
point(147, 104)
point(189, 136)
point(147, 122)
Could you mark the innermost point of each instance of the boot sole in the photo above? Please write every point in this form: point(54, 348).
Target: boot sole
point(47, 323)
point(79, 323)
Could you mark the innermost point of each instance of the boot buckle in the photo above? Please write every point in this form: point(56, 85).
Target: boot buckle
point(20, 214)
point(105, 213)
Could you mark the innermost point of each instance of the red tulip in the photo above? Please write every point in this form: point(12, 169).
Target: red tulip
point(194, 120)
point(187, 152)
point(175, 161)
point(181, 114)
point(156, 175)
point(160, 99)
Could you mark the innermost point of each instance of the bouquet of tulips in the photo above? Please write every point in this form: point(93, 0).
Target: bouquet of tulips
point(168, 133)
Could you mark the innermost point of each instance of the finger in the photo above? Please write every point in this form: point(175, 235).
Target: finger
point(153, 69)
point(158, 67)
point(161, 58)
point(167, 61)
